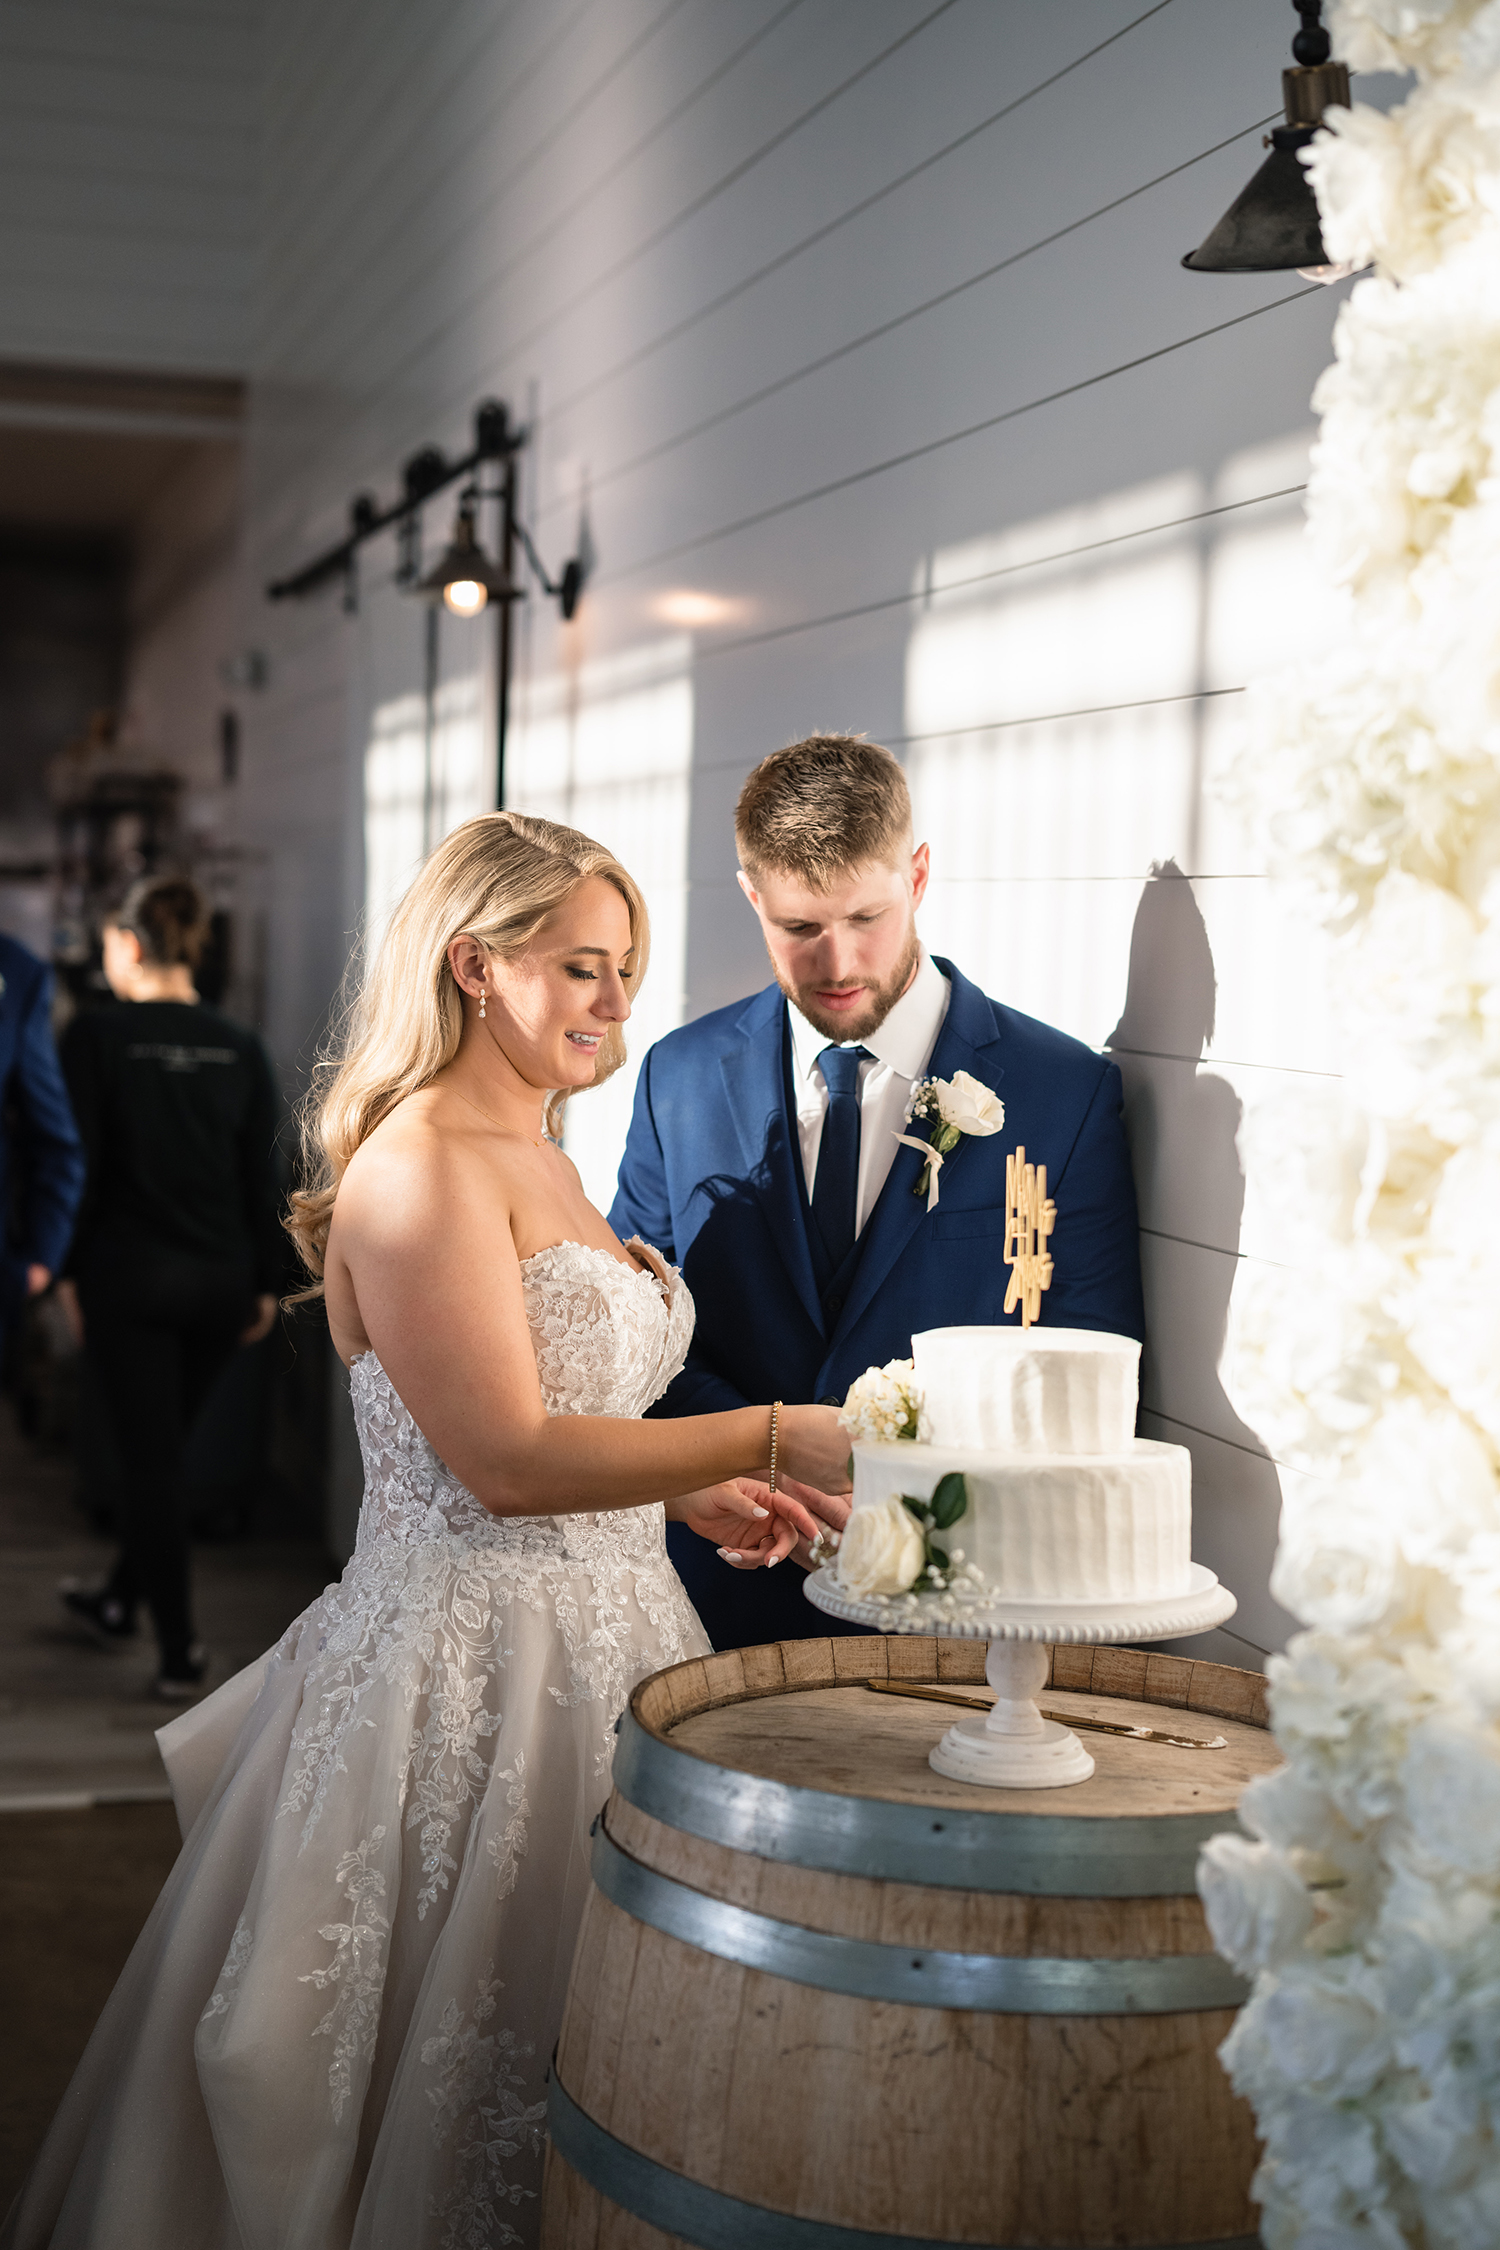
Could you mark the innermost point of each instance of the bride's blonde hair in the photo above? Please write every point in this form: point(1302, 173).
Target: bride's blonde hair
point(495, 879)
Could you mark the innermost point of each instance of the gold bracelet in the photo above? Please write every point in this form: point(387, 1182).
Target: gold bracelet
point(775, 1427)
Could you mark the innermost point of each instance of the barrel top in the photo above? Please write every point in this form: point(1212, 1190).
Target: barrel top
point(850, 1742)
point(782, 1752)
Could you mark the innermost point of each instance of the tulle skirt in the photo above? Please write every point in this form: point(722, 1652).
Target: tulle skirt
point(334, 2029)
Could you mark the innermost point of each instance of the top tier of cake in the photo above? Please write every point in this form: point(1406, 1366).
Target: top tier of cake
point(1027, 1390)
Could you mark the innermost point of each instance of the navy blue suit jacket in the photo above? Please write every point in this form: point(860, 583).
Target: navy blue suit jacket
point(712, 1175)
point(41, 1155)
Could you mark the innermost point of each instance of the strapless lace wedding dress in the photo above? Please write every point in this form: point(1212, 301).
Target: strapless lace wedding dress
point(334, 2030)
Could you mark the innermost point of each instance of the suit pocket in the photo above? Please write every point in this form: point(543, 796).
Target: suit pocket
point(966, 1226)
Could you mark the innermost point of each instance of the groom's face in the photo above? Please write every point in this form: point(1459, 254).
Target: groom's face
point(844, 956)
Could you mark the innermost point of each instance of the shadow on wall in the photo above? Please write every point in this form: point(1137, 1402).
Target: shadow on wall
point(1183, 1121)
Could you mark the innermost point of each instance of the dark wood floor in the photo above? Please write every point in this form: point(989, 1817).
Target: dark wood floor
point(75, 1888)
point(77, 1879)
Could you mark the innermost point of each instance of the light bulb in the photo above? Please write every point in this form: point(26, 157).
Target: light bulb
point(466, 597)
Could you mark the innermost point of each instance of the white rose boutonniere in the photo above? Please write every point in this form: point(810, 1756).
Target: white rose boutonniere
point(950, 1108)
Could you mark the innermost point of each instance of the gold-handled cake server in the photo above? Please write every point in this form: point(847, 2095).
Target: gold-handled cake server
point(1064, 1718)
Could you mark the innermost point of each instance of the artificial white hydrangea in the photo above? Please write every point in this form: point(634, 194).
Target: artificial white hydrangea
point(1400, 798)
point(1426, 35)
point(1368, 1356)
point(1455, 1320)
point(884, 1404)
point(1258, 1907)
point(1407, 433)
point(1402, 190)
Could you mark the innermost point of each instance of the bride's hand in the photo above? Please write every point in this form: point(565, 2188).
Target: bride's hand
point(813, 1447)
point(751, 1526)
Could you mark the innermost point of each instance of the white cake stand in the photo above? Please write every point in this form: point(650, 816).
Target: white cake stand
point(1013, 1746)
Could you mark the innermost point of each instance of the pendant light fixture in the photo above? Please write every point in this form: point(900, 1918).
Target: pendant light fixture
point(465, 578)
point(1273, 227)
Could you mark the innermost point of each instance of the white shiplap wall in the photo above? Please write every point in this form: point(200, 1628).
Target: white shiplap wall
point(856, 329)
point(127, 169)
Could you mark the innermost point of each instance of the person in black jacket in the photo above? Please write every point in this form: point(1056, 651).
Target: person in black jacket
point(179, 1250)
point(41, 1158)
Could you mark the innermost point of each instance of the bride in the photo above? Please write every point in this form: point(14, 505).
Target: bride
point(334, 2030)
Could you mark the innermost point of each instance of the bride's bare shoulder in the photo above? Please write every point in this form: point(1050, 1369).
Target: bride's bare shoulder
point(420, 1168)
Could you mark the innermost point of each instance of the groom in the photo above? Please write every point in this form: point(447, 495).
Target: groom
point(763, 1155)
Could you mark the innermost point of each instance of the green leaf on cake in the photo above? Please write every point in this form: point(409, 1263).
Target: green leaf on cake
point(949, 1500)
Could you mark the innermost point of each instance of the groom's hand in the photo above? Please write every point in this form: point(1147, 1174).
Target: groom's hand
point(831, 1511)
point(830, 1508)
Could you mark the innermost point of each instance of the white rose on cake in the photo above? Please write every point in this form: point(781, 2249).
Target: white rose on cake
point(884, 1404)
point(882, 1549)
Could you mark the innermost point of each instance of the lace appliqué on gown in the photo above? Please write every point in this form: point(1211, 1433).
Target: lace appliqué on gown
point(474, 2096)
point(365, 1942)
point(357, 1970)
point(423, 1604)
point(427, 1610)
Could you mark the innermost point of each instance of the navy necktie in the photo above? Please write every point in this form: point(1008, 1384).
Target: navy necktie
point(836, 1181)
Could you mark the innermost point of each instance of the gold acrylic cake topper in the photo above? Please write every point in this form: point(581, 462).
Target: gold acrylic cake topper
point(1029, 1220)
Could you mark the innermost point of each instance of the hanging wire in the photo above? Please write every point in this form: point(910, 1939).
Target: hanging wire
point(915, 312)
point(523, 343)
point(819, 234)
point(1049, 718)
point(951, 437)
point(325, 200)
point(925, 594)
point(570, 211)
point(328, 310)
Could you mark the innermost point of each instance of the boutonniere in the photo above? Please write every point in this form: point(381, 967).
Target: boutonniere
point(949, 1108)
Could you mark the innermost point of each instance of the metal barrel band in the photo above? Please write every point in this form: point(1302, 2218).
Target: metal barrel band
point(864, 1969)
point(712, 2220)
point(1035, 1854)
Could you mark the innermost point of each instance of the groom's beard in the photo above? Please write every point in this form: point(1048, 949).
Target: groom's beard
point(879, 998)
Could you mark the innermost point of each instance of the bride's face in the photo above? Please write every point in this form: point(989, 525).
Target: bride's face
point(553, 1004)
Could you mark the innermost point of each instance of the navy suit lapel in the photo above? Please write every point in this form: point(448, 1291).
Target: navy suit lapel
point(967, 1041)
point(756, 1091)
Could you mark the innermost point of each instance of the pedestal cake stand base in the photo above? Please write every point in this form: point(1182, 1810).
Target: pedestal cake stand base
point(1013, 1746)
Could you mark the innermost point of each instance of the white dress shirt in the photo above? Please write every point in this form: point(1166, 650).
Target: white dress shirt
point(902, 1049)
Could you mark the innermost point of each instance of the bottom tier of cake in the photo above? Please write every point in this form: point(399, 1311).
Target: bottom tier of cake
point(1097, 1527)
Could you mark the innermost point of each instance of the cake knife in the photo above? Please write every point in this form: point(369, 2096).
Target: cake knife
point(1064, 1718)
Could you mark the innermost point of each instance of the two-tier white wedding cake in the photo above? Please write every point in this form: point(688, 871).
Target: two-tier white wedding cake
point(1063, 1502)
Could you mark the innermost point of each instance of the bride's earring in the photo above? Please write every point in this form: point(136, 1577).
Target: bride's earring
point(481, 1003)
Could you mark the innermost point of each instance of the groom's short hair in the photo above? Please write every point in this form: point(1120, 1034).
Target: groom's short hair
point(820, 807)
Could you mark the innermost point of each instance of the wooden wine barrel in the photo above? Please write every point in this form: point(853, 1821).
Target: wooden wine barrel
point(826, 1999)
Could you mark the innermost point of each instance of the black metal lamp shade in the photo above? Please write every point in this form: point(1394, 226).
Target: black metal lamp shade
point(1272, 226)
point(464, 563)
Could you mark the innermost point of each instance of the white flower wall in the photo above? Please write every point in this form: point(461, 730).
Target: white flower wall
point(1369, 1908)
